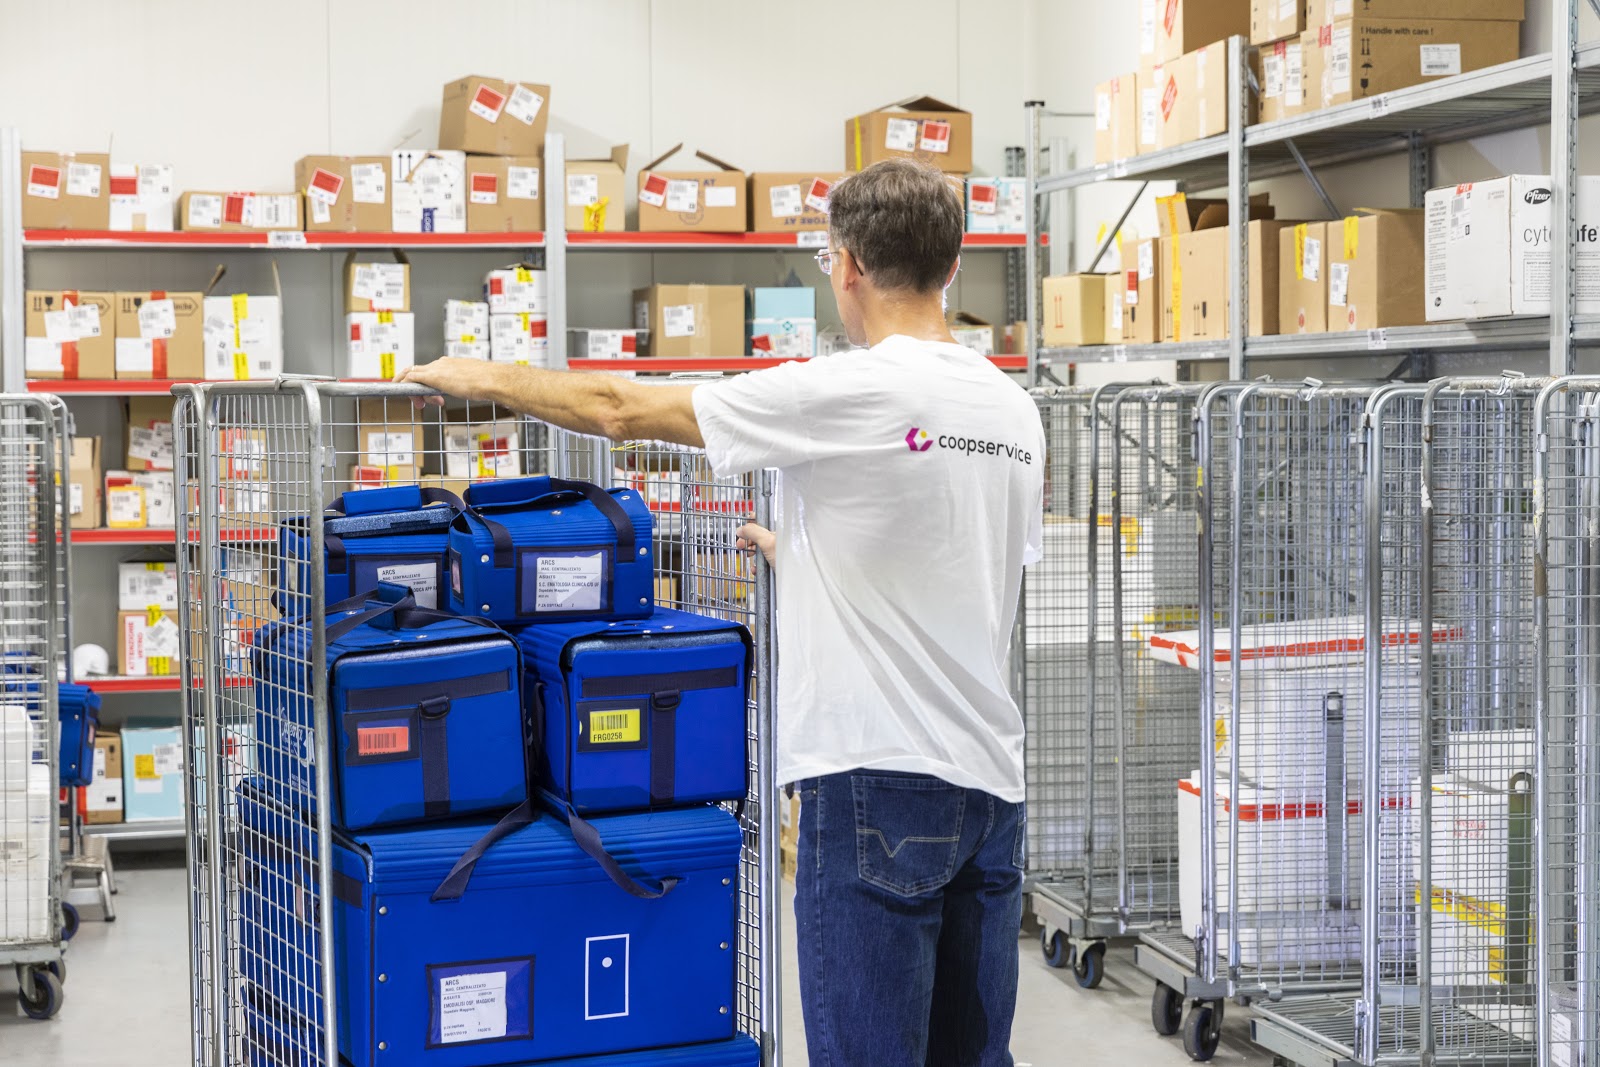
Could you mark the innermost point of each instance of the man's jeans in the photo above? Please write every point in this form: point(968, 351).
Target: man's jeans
point(908, 901)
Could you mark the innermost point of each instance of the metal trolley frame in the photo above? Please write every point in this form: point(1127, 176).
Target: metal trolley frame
point(35, 647)
point(251, 455)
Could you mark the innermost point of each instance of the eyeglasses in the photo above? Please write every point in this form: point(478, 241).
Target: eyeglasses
point(825, 260)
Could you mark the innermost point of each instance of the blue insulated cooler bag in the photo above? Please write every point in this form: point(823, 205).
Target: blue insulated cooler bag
point(538, 957)
point(370, 536)
point(646, 713)
point(425, 708)
point(549, 550)
point(78, 708)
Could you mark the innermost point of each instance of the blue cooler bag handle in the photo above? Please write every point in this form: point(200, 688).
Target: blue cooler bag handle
point(377, 502)
point(532, 491)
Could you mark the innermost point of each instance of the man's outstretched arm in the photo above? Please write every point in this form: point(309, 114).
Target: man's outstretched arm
point(599, 404)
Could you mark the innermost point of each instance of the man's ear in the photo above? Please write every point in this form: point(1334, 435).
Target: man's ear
point(951, 279)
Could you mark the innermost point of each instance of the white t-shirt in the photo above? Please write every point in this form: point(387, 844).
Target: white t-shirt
point(910, 499)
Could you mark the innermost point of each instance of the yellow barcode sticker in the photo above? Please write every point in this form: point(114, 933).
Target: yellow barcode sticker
point(160, 665)
point(386, 365)
point(1300, 252)
point(522, 363)
point(152, 614)
point(1352, 236)
point(524, 275)
point(385, 317)
point(241, 306)
point(144, 766)
point(594, 216)
point(522, 320)
point(155, 566)
point(615, 726)
point(241, 367)
point(467, 338)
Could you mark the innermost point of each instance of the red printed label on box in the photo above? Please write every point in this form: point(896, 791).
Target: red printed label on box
point(654, 190)
point(985, 198)
point(538, 326)
point(355, 331)
point(1325, 37)
point(1171, 18)
point(125, 186)
point(497, 285)
point(935, 136)
point(233, 209)
point(487, 103)
point(485, 189)
point(1133, 288)
point(45, 182)
point(325, 187)
point(817, 195)
point(630, 343)
point(1169, 99)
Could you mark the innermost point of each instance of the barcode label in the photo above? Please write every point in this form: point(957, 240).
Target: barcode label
point(615, 726)
point(382, 740)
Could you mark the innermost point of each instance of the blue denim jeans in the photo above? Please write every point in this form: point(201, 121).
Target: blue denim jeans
point(908, 901)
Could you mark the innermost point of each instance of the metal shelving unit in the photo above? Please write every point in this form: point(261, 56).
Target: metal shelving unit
point(1552, 88)
point(153, 830)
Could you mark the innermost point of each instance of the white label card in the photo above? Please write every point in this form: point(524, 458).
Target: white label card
point(1312, 265)
point(1338, 284)
point(524, 105)
point(677, 320)
point(382, 284)
point(583, 189)
point(1102, 112)
point(286, 239)
point(371, 182)
point(76, 497)
point(1147, 261)
point(205, 212)
point(1561, 1039)
point(321, 212)
point(421, 578)
point(900, 135)
point(522, 183)
point(58, 327)
point(683, 196)
point(811, 239)
point(569, 583)
point(1440, 60)
point(85, 320)
point(472, 1007)
point(786, 201)
point(154, 446)
point(722, 196)
point(157, 319)
point(126, 505)
point(41, 354)
point(391, 449)
point(83, 179)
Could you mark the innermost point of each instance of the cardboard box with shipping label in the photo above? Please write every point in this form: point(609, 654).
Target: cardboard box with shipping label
point(997, 205)
point(521, 337)
point(160, 335)
point(377, 286)
point(1303, 278)
point(783, 322)
point(143, 198)
point(379, 344)
point(1283, 89)
point(345, 194)
point(790, 201)
point(243, 337)
point(141, 586)
point(972, 333)
point(1183, 26)
point(466, 320)
point(85, 488)
point(151, 644)
point(1365, 57)
point(689, 321)
point(1377, 271)
point(102, 797)
point(1073, 312)
point(147, 442)
point(503, 194)
point(66, 190)
point(596, 195)
point(1141, 292)
point(69, 334)
point(152, 773)
point(240, 212)
point(676, 200)
point(1204, 259)
point(388, 433)
point(140, 500)
point(919, 127)
point(584, 343)
point(1488, 248)
point(519, 288)
point(1116, 119)
point(494, 117)
point(428, 191)
point(483, 450)
point(1272, 21)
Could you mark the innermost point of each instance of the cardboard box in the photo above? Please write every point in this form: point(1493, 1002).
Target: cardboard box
point(918, 127)
point(783, 322)
point(70, 334)
point(597, 193)
point(468, 349)
point(143, 198)
point(152, 773)
point(147, 436)
point(84, 486)
point(494, 117)
point(1377, 271)
point(428, 191)
point(972, 333)
point(520, 337)
point(137, 500)
point(66, 190)
point(584, 343)
point(1141, 292)
point(503, 194)
point(244, 455)
point(1488, 248)
point(102, 797)
point(1187, 25)
point(1314, 63)
point(1283, 88)
point(243, 334)
point(345, 194)
point(372, 477)
point(388, 433)
point(1074, 310)
point(240, 212)
point(1303, 278)
point(1366, 56)
point(483, 450)
point(1153, 86)
point(689, 321)
point(377, 286)
point(519, 288)
point(790, 201)
point(1194, 102)
point(1116, 119)
point(676, 200)
point(1274, 20)
point(150, 645)
point(142, 586)
point(1326, 12)
point(160, 335)
point(1207, 305)
point(997, 205)
point(466, 320)
point(379, 344)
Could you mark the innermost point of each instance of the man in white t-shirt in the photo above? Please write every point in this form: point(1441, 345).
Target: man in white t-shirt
point(911, 491)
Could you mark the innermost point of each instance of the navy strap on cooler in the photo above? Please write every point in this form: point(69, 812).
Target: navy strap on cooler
point(526, 491)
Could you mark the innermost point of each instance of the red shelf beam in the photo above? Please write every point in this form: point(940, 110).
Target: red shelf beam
point(286, 241)
point(161, 537)
point(170, 683)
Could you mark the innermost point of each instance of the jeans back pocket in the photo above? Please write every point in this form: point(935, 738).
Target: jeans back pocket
point(908, 831)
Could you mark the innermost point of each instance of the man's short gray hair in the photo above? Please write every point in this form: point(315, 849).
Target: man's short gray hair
point(903, 223)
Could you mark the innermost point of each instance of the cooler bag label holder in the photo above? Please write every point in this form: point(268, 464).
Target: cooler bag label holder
point(480, 1002)
point(578, 580)
point(418, 572)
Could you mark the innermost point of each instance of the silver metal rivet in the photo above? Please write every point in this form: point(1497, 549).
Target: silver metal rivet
point(486, 607)
point(382, 1045)
point(383, 978)
point(383, 910)
point(724, 946)
point(727, 881)
point(483, 559)
point(723, 1010)
point(644, 552)
point(644, 600)
point(606, 962)
point(557, 514)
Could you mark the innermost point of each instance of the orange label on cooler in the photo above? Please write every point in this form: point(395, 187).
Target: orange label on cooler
point(382, 740)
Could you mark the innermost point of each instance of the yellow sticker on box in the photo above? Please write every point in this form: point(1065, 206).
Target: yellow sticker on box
point(160, 665)
point(614, 726)
point(241, 306)
point(144, 766)
point(152, 614)
point(386, 365)
point(241, 366)
point(1352, 236)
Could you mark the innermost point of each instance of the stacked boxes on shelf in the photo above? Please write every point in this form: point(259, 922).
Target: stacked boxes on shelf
point(380, 330)
point(27, 827)
point(519, 315)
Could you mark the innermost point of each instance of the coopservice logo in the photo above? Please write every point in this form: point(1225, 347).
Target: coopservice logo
point(918, 440)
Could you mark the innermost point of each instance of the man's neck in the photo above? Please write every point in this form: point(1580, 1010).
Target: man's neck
point(920, 320)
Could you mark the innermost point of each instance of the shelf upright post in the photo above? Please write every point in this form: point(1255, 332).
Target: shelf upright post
point(555, 244)
point(1421, 158)
point(1238, 205)
point(1032, 111)
point(1563, 183)
point(12, 283)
